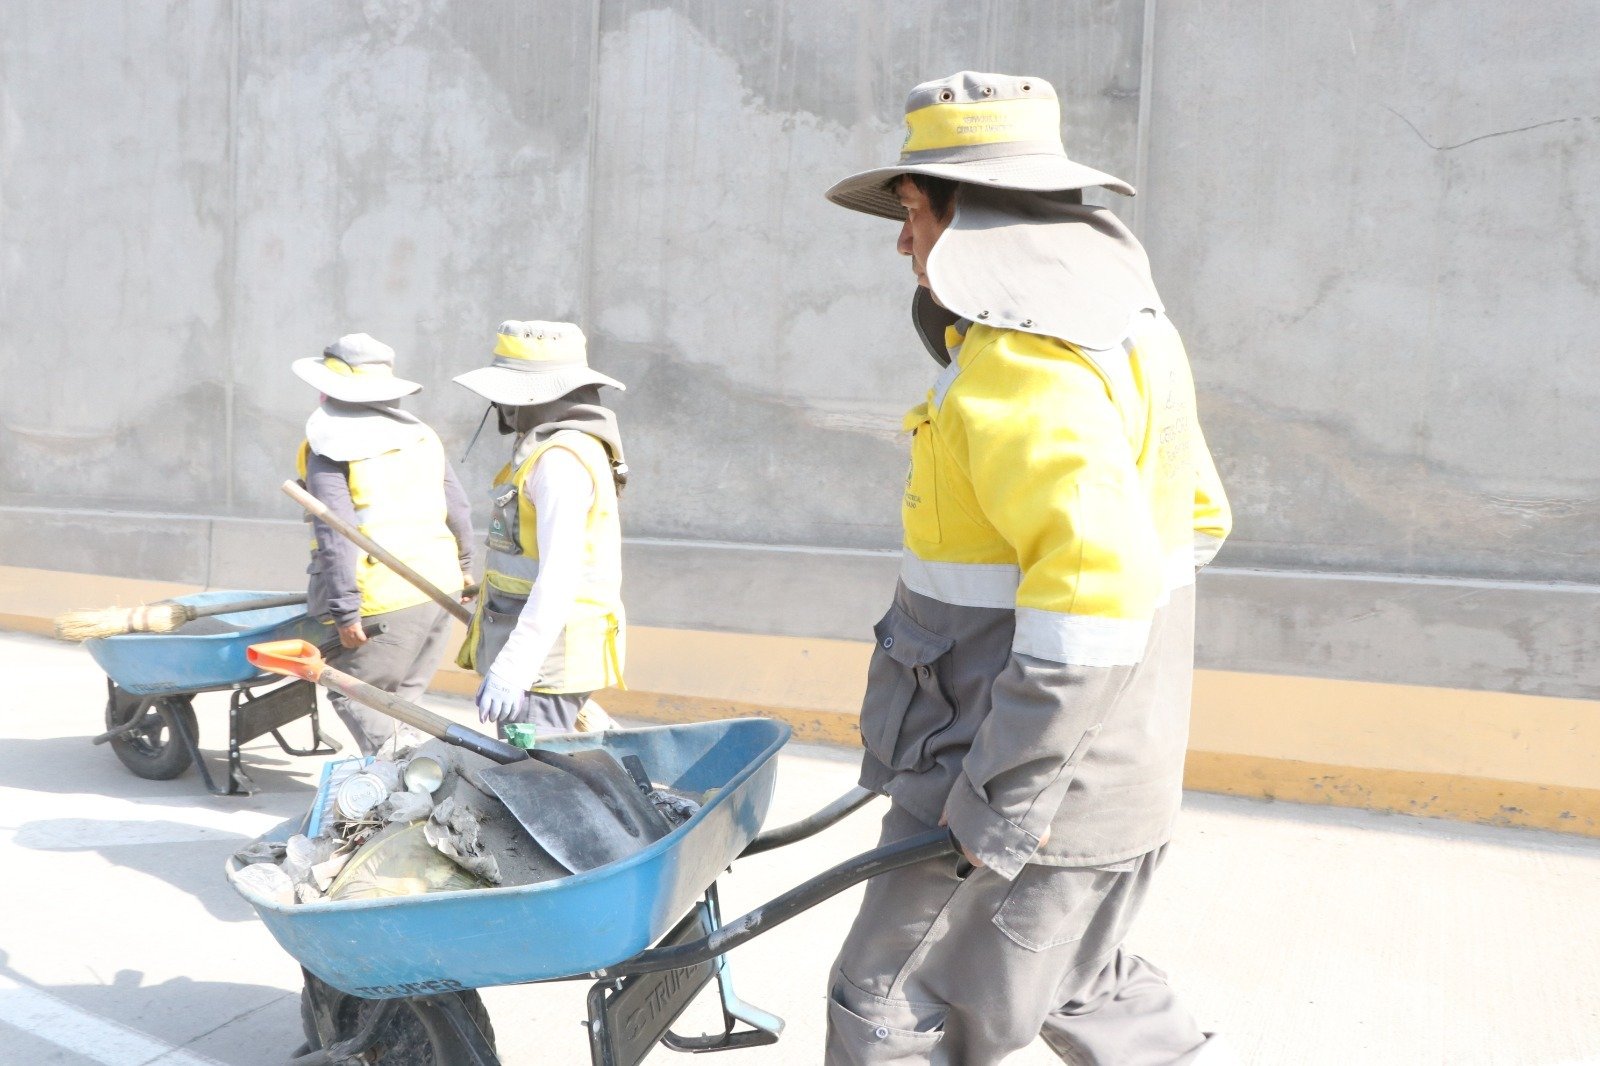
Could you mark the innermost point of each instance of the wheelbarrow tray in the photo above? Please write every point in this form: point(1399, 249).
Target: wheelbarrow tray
point(410, 945)
point(207, 653)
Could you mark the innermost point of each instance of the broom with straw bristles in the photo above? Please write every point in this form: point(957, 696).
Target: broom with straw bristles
point(156, 617)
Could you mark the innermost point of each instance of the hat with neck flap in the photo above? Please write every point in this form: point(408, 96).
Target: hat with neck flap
point(355, 368)
point(1020, 251)
point(535, 362)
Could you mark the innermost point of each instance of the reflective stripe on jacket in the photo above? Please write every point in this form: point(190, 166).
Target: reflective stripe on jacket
point(399, 502)
point(1032, 678)
point(589, 653)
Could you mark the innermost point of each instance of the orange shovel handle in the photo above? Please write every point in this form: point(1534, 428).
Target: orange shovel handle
point(292, 658)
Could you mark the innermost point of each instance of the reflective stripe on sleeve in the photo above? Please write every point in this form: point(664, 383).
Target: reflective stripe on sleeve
point(1080, 639)
point(1205, 548)
point(962, 584)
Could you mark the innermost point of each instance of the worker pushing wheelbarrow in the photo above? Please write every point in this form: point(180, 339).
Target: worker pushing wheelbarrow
point(393, 980)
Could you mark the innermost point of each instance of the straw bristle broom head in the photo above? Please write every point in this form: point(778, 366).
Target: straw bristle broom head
point(112, 621)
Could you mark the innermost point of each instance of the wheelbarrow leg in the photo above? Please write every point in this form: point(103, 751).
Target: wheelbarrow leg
point(628, 1016)
point(765, 1027)
point(192, 743)
point(239, 782)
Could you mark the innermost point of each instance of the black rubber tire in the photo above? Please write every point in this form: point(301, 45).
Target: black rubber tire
point(155, 752)
point(404, 1043)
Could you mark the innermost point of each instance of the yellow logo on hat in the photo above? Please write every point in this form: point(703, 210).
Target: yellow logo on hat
point(956, 125)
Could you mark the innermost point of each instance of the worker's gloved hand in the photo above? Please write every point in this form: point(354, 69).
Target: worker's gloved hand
point(498, 701)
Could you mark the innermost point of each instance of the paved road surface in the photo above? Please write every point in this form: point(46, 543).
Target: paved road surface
point(1314, 937)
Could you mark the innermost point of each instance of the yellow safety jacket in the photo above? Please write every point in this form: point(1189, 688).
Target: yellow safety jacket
point(1028, 491)
point(399, 502)
point(589, 653)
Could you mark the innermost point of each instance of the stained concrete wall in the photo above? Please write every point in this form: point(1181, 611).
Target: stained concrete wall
point(1375, 226)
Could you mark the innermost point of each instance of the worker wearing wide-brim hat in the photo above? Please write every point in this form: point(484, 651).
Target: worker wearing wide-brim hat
point(1029, 685)
point(384, 471)
point(549, 629)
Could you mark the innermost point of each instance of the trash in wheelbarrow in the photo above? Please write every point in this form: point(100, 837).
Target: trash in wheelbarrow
point(581, 807)
point(429, 820)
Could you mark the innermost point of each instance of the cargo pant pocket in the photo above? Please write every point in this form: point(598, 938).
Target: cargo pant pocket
point(905, 706)
point(1048, 906)
point(854, 1040)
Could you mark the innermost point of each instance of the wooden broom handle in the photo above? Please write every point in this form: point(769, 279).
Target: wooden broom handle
point(317, 509)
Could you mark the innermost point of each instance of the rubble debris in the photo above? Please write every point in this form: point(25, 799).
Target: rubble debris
point(259, 851)
point(454, 831)
point(405, 807)
point(268, 881)
point(413, 819)
point(675, 805)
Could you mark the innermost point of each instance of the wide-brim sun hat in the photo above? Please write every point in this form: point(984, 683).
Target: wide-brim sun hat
point(535, 362)
point(355, 368)
point(998, 130)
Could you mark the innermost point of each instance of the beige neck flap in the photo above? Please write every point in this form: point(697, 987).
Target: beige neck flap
point(1035, 262)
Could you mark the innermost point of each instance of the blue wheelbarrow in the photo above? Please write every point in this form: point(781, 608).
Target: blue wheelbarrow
point(152, 679)
point(393, 981)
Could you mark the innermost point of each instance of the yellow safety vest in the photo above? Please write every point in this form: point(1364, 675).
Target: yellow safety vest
point(399, 503)
point(589, 653)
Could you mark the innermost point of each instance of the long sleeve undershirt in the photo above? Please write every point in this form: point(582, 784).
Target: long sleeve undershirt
point(562, 493)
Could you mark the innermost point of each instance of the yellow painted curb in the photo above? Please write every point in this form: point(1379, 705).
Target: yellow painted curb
point(1470, 799)
point(1491, 757)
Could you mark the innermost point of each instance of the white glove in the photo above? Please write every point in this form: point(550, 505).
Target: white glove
point(498, 701)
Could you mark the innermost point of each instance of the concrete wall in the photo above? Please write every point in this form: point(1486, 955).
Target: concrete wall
point(1375, 224)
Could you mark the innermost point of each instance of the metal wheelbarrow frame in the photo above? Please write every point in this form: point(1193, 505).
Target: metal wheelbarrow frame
point(152, 679)
point(645, 930)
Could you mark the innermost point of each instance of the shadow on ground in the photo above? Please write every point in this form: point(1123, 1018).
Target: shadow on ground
point(179, 1012)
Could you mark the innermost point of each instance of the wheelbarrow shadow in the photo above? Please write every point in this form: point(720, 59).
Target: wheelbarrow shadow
point(186, 855)
point(236, 1024)
point(73, 765)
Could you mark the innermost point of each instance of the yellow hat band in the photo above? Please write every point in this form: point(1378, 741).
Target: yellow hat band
point(564, 348)
point(956, 125)
point(339, 366)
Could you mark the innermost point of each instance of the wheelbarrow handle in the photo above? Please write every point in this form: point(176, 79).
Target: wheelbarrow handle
point(370, 628)
point(848, 803)
point(935, 843)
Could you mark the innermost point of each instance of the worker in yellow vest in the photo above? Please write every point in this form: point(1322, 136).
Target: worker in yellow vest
point(1029, 686)
point(549, 628)
point(383, 471)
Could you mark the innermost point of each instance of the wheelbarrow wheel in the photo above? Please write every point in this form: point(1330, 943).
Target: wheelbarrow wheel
point(403, 1042)
point(154, 750)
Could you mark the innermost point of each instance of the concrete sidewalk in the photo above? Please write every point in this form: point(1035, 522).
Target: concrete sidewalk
point(1310, 935)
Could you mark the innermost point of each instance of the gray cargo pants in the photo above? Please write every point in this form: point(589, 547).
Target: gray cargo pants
point(401, 660)
point(963, 971)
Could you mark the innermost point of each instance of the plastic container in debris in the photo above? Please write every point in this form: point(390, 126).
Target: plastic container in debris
point(399, 861)
point(522, 734)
